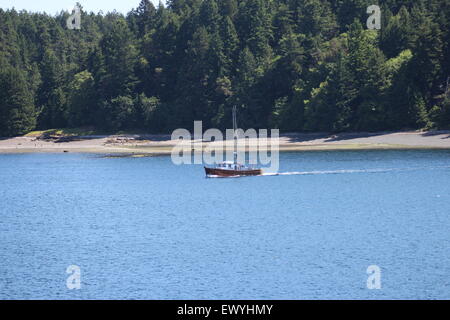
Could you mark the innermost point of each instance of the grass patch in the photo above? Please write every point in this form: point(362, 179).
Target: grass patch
point(67, 132)
point(78, 132)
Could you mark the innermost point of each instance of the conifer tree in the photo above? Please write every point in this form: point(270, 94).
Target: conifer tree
point(17, 111)
point(51, 94)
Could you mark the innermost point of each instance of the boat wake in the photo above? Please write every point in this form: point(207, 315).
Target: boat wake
point(227, 177)
point(349, 171)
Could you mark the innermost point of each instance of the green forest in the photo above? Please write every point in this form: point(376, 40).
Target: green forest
point(296, 65)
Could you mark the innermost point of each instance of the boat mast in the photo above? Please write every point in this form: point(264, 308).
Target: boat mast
point(235, 134)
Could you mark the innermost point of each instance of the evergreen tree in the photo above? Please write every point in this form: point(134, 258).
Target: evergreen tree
point(397, 36)
point(255, 28)
point(209, 16)
point(426, 63)
point(228, 8)
point(17, 112)
point(118, 60)
point(81, 100)
point(230, 44)
point(143, 17)
point(51, 94)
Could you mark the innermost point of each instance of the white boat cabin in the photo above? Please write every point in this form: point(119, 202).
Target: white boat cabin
point(229, 165)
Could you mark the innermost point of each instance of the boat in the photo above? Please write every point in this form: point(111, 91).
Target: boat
point(232, 168)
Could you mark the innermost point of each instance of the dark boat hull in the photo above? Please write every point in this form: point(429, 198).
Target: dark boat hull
point(232, 173)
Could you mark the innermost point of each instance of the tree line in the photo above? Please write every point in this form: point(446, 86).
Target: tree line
point(296, 65)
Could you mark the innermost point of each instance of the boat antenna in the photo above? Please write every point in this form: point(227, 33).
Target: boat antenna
point(235, 134)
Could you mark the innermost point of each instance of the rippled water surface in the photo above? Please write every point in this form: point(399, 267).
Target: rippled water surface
point(142, 228)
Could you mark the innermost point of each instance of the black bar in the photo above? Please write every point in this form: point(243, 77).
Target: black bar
point(226, 309)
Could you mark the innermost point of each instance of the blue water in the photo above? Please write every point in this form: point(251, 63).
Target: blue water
point(142, 228)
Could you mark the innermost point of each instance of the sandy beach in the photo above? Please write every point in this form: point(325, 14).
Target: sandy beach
point(162, 144)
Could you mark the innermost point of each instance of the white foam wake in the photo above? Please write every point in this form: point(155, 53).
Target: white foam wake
point(349, 171)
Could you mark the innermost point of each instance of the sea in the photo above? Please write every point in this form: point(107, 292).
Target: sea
point(330, 225)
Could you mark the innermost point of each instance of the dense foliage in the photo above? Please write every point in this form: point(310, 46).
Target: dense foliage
point(297, 65)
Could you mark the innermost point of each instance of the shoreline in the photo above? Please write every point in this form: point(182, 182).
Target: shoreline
point(148, 145)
